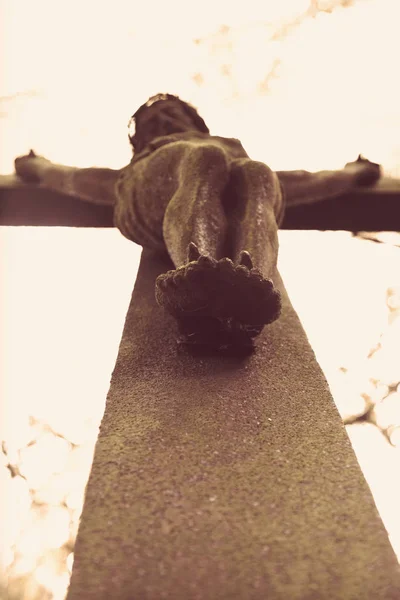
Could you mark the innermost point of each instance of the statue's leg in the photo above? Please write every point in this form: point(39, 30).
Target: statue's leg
point(303, 187)
point(94, 185)
point(254, 202)
point(212, 299)
point(195, 213)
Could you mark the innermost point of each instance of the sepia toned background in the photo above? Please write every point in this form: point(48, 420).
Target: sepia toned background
point(303, 84)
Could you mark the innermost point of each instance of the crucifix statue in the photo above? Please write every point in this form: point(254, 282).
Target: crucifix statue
point(213, 209)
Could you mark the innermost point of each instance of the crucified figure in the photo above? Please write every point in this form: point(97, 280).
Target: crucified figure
point(213, 209)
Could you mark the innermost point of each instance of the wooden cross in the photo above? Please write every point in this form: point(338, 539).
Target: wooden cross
point(216, 212)
point(218, 477)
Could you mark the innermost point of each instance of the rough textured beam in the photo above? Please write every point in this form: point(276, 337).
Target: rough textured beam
point(30, 204)
point(225, 478)
point(377, 207)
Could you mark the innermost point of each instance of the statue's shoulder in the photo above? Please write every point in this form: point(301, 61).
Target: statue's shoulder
point(233, 145)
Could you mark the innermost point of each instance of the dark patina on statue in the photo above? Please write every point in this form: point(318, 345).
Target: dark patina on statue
point(214, 210)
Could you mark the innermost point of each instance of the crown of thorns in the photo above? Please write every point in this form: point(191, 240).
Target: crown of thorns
point(185, 106)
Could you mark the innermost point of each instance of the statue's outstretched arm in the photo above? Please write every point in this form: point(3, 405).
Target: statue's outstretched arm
point(95, 185)
point(303, 187)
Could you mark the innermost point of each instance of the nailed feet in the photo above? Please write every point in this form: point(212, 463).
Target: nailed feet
point(216, 301)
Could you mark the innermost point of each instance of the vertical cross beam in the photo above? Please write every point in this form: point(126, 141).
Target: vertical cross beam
point(223, 477)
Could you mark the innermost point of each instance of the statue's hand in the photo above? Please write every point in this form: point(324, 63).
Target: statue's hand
point(30, 167)
point(367, 172)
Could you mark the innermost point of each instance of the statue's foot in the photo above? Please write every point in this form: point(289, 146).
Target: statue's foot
point(237, 297)
point(30, 167)
point(367, 172)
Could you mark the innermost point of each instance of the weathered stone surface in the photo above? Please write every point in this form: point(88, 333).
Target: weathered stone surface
point(223, 477)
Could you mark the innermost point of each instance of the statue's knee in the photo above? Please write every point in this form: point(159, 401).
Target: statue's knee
point(256, 169)
point(255, 181)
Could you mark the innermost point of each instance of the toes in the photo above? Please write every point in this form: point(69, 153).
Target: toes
point(163, 281)
point(178, 276)
point(242, 270)
point(268, 285)
point(160, 282)
point(192, 252)
point(245, 259)
point(226, 265)
point(220, 290)
point(192, 272)
point(205, 261)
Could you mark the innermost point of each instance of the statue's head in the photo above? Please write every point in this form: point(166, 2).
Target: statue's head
point(163, 114)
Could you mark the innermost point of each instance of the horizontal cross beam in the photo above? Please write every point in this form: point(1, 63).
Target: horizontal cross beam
point(373, 208)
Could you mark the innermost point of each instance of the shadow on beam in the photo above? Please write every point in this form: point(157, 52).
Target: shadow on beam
point(24, 204)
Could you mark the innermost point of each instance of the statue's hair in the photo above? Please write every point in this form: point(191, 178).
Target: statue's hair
point(187, 108)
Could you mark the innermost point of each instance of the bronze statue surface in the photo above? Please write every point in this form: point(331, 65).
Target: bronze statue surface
point(213, 209)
